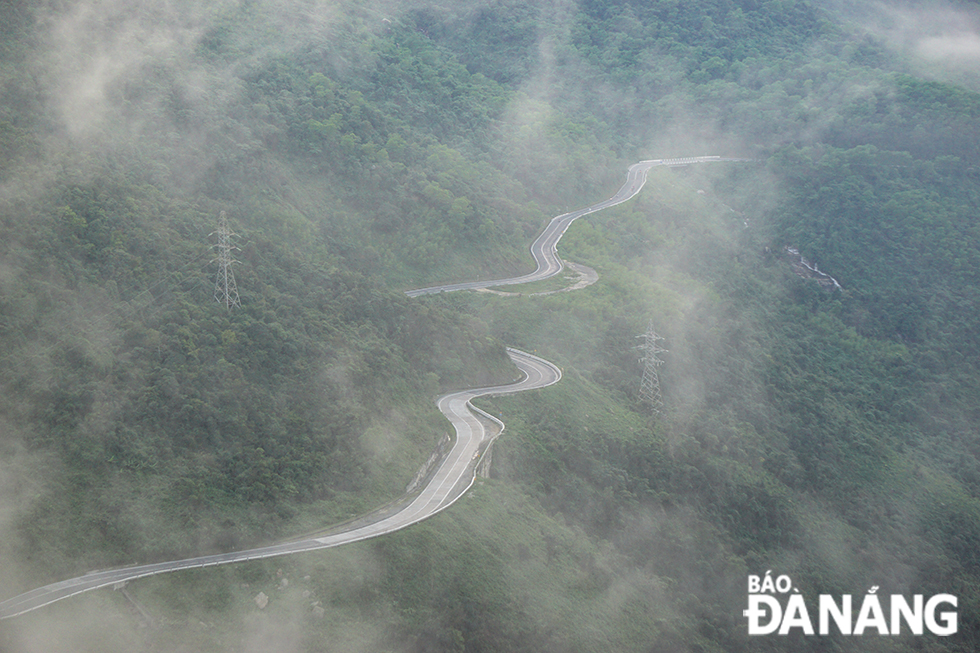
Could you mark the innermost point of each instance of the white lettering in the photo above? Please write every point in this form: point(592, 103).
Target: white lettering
point(767, 583)
point(913, 615)
point(755, 614)
point(842, 617)
point(796, 616)
point(766, 615)
point(783, 584)
point(948, 618)
point(871, 605)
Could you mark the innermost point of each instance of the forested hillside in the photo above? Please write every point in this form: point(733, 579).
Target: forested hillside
point(362, 149)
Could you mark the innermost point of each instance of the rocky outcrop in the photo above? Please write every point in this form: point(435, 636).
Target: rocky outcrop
point(429, 465)
point(806, 270)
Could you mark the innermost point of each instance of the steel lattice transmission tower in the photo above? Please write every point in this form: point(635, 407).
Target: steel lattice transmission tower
point(650, 383)
point(225, 288)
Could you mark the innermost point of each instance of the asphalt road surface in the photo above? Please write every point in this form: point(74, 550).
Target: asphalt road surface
point(457, 471)
point(452, 478)
point(544, 249)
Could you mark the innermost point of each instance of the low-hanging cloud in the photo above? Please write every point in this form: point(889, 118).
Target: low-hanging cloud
point(956, 48)
point(98, 46)
point(936, 33)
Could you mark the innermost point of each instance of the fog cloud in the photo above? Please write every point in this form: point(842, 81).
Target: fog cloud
point(937, 33)
point(957, 48)
point(96, 47)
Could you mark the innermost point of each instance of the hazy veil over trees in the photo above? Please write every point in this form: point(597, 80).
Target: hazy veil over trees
point(360, 149)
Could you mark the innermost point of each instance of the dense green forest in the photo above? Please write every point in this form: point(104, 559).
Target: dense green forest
point(361, 149)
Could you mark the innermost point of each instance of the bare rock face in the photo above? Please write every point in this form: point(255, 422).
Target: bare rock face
point(805, 270)
point(261, 600)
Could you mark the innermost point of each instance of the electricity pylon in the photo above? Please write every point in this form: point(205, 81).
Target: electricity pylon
point(650, 383)
point(225, 288)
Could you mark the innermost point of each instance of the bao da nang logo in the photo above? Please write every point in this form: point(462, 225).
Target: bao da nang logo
point(776, 607)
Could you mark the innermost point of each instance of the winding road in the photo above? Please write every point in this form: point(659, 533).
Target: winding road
point(457, 471)
point(544, 249)
point(453, 477)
